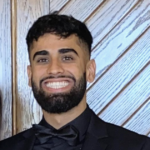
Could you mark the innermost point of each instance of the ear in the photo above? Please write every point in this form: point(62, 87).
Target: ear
point(29, 74)
point(90, 71)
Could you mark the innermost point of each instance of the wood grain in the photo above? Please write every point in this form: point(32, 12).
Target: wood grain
point(133, 96)
point(121, 37)
point(28, 111)
point(121, 51)
point(81, 9)
point(141, 120)
point(14, 73)
point(58, 5)
point(106, 17)
point(5, 70)
point(119, 75)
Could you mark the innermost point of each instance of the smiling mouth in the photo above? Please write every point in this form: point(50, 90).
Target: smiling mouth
point(57, 85)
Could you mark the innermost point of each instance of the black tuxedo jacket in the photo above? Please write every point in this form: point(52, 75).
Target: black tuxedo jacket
point(100, 136)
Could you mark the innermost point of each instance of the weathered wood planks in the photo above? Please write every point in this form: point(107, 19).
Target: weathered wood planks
point(5, 70)
point(28, 111)
point(121, 37)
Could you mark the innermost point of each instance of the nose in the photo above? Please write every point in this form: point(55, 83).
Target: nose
point(55, 67)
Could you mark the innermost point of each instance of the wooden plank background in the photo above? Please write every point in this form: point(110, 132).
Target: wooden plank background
point(28, 12)
point(5, 70)
point(120, 93)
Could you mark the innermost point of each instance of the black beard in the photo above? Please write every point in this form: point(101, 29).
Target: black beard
point(60, 102)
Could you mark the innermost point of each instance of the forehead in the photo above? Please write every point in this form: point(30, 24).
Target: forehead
point(54, 42)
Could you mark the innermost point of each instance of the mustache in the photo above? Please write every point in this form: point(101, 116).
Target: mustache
point(58, 76)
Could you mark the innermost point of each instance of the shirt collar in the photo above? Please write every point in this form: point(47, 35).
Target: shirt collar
point(81, 123)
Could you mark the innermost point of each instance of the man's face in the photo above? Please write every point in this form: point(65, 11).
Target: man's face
point(59, 71)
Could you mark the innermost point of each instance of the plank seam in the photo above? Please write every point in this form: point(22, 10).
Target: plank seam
point(136, 111)
point(115, 26)
point(14, 68)
point(95, 10)
point(64, 6)
point(113, 99)
point(110, 66)
point(148, 133)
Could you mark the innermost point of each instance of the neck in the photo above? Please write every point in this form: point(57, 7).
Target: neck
point(59, 120)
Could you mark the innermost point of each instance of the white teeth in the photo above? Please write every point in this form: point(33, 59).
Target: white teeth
point(57, 85)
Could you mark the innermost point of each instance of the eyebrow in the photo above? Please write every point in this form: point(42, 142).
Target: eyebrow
point(61, 51)
point(67, 50)
point(43, 52)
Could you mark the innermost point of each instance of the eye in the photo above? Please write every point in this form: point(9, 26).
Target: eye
point(67, 58)
point(42, 60)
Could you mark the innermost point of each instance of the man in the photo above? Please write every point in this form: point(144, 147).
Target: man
point(59, 49)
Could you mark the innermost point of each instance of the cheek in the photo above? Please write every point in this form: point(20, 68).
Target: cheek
point(76, 70)
point(37, 73)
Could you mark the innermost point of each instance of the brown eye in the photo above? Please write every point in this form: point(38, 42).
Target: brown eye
point(67, 58)
point(42, 60)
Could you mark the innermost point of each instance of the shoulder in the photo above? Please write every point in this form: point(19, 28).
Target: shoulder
point(12, 141)
point(122, 138)
point(113, 130)
point(116, 131)
point(127, 138)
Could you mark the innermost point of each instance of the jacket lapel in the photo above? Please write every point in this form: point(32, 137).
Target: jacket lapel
point(95, 138)
point(96, 135)
point(27, 141)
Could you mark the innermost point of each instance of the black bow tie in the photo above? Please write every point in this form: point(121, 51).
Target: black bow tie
point(68, 133)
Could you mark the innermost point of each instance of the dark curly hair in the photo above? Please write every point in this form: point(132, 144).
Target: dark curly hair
point(61, 25)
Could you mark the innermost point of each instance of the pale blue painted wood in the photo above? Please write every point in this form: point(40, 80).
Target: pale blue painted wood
point(140, 122)
point(130, 99)
point(105, 89)
point(107, 17)
point(122, 37)
point(5, 70)
point(28, 111)
point(81, 9)
point(56, 5)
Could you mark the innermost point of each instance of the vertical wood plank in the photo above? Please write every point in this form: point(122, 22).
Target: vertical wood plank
point(13, 43)
point(5, 70)
point(28, 111)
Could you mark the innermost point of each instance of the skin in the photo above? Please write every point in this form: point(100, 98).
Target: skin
point(52, 55)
